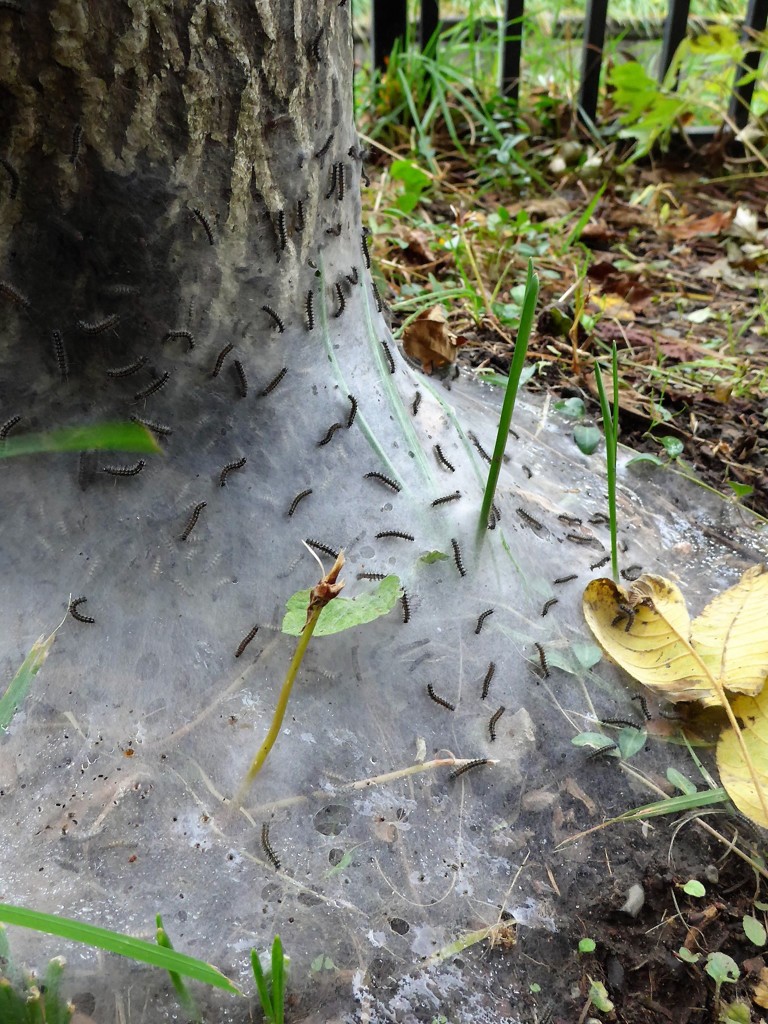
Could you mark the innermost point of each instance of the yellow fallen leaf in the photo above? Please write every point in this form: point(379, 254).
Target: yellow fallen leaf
point(734, 770)
point(760, 991)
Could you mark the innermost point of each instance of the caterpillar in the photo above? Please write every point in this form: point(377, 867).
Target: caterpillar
point(281, 233)
point(12, 173)
point(156, 428)
point(13, 293)
point(548, 604)
point(416, 402)
point(125, 470)
point(278, 322)
point(353, 278)
point(126, 371)
point(388, 354)
point(61, 354)
point(528, 518)
point(371, 576)
point(325, 147)
point(340, 193)
point(77, 136)
point(625, 612)
point(602, 750)
point(383, 534)
point(315, 47)
point(366, 253)
point(578, 538)
point(571, 520)
point(325, 548)
point(406, 607)
point(155, 385)
point(493, 519)
point(220, 360)
point(8, 426)
point(299, 497)
point(457, 557)
point(267, 847)
point(438, 699)
point(620, 721)
point(230, 466)
point(482, 452)
point(496, 510)
point(481, 619)
point(488, 678)
point(331, 431)
point(335, 230)
point(542, 659)
point(601, 563)
point(494, 719)
point(442, 459)
point(672, 716)
point(644, 705)
point(73, 605)
point(205, 223)
point(384, 479)
point(469, 766)
point(516, 436)
point(599, 519)
point(632, 573)
point(376, 296)
point(242, 379)
point(99, 326)
point(564, 579)
point(192, 521)
point(299, 221)
point(352, 410)
point(342, 300)
point(119, 291)
point(246, 640)
point(274, 382)
point(187, 335)
point(333, 176)
point(446, 498)
point(310, 310)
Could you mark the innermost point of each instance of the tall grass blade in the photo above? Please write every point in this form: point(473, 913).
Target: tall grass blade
point(261, 986)
point(125, 437)
point(188, 1004)
point(611, 430)
point(18, 688)
point(278, 980)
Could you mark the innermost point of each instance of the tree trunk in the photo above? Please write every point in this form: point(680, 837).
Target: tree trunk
point(182, 243)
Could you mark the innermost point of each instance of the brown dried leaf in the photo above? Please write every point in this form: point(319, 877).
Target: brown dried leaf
point(429, 340)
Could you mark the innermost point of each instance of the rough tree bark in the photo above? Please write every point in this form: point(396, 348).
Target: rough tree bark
point(181, 241)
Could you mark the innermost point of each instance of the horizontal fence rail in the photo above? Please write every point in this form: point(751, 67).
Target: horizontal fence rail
point(390, 20)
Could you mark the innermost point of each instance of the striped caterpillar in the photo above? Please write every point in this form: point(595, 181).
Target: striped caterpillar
point(274, 382)
point(438, 699)
point(565, 579)
point(299, 497)
point(125, 470)
point(353, 278)
point(384, 479)
point(481, 619)
point(481, 451)
point(644, 705)
point(371, 576)
point(599, 564)
point(155, 385)
point(340, 193)
point(230, 466)
point(376, 296)
point(126, 371)
point(220, 360)
point(205, 223)
point(626, 722)
point(299, 222)
point(570, 520)
point(73, 604)
point(277, 320)
point(457, 557)
point(8, 425)
point(394, 533)
point(245, 641)
point(192, 521)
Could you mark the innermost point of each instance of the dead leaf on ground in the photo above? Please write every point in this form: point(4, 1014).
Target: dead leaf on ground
point(735, 773)
point(760, 991)
point(714, 224)
point(429, 340)
point(542, 209)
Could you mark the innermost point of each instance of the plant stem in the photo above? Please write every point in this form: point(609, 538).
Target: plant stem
point(611, 430)
point(513, 382)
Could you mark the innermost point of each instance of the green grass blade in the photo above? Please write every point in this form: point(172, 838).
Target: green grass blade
point(278, 980)
point(56, 1010)
point(508, 406)
point(261, 986)
point(584, 219)
point(611, 430)
point(125, 437)
point(186, 999)
point(19, 686)
point(114, 942)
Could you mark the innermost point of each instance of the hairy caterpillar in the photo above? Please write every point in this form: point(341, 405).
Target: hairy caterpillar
point(406, 607)
point(394, 533)
point(644, 705)
point(267, 847)
point(126, 371)
point(335, 230)
point(281, 233)
point(331, 431)
point(564, 579)
point(388, 354)
point(571, 520)
point(526, 470)
point(334, 174)
point(488, 678)
point(366, 253)
point(187, 335)
point(528, 518)
point(352, 410)
point(340, 193)
point(442, 459)
point(599, 519)
point(205, 223)
point(482, 452)
point(376, 296)
point(457, 557)
point(61, 354)
point(155, 385)
point(548, 604)
point(578, 538)
point(13, 293)
point(601, 563)
point(278, 322)
point(481, 619)
point(325, 147)
point(384, 479)
point(220, 360)
point(274, 382)
point(627, 722)
point(416, 403)
point(242, 379)
point(439, 700)
point(632, 573)
point(245, 641)
point(156, 428)
point(299, 497)
point(8, 425)
point(99, 326)
point(371, 576)
point(542, 659)
point(310, 310)
point(325, 548)
point(446, 498)
point(353, 278)
point(230, 466)
point(341, 299)
point(299, 222)
point(469, 766)
point(125, 470)
point(492, 724)
point(73, 604)
point(192, 521)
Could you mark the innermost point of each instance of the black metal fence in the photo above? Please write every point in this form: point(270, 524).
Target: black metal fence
point(389, 23)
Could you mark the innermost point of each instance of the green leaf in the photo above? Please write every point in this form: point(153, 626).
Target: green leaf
point(343, 612)
point(693, 887)
point(688, 956)
point(573, 408)
point(754, 930)
point(591, 739)
point(433, 556)
point(343, 864)
point(598, 994)
point(721, 968)
point(587, 945)
point(680, 782)
point(114, 942)
point(19, 686)
point(630, 741)
point(586, 654)
point(673, 446)
point(737, 1012)
point(645, 457)
point(261, 986)
point(741, 490)
point(410, 174)
point(125, 437)
point(587, 438)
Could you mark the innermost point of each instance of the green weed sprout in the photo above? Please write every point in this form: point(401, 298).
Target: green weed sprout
point(271, 990)
point(188, 1004)
point(23, 1000)
point(513, 383)
point(611, 429)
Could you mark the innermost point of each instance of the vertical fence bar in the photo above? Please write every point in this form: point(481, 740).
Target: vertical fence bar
point(430, 17)
point(592, 59)
point(512, 49)
point(756, 20)
point(675, 27)
point(389, 22)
